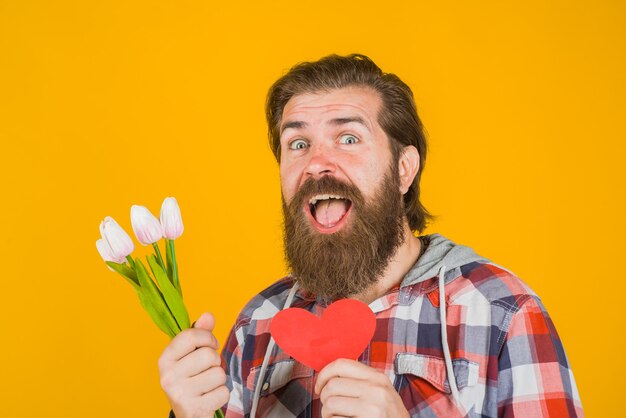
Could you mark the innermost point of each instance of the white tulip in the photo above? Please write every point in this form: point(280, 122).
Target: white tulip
point(146, 226)
point(171, 220)
point(106, 253)
point(119, 241)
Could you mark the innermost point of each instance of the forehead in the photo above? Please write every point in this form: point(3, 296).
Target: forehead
point(360, 101)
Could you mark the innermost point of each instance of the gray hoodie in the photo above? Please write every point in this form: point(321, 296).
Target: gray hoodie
point(440, 251)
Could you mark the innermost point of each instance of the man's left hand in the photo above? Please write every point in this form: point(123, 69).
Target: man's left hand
point(348, 388)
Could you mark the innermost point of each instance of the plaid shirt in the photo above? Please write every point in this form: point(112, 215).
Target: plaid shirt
point(507, 357)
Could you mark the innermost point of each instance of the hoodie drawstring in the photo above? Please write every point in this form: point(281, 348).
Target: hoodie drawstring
point(444, 334)
point(266, 359)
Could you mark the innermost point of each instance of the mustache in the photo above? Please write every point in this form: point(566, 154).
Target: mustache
point(324, 185)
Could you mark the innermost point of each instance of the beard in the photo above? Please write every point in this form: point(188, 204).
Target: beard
point(347, 262)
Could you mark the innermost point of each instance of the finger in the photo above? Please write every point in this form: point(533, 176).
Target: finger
point(206, 381)
point(340, 406)
point(215, 399)
point(206, 321)
point(344, 368)
point(343, 386)
point(197, 362)
point(186, 342)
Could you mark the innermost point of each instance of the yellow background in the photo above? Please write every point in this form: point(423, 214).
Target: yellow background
point(108, 104)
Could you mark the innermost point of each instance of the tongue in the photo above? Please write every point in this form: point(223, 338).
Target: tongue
point(329, 212)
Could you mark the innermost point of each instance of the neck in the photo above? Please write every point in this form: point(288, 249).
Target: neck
point(404, 258)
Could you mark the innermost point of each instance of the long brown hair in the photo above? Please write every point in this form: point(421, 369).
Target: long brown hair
point(398, 116)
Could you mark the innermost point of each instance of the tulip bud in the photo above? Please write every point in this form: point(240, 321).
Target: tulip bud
point(171, 220)
point(106, 253)
point(119, 241)
point(147, 228)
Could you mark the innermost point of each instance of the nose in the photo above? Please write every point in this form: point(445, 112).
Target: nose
point(321, 163)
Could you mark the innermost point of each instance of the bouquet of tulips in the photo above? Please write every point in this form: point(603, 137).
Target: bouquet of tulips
point(162, 296)
point(160, 293)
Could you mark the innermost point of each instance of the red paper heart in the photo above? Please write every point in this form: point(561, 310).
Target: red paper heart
point(343, 331)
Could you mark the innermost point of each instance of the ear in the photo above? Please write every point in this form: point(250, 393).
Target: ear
point(408, 166)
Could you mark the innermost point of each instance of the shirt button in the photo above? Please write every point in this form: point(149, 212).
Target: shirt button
point(266, 385)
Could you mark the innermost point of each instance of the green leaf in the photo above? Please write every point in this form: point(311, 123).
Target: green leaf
point(149, 265)
point(131, 262)
point(125, 272)
point(168, 260)
point(175, 280)
point(157, 251)
point(156, 318)
point(170, 293)
point(154, 298)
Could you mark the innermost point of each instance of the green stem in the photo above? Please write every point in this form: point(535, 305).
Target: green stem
point(158, 253)
point(218, 414)
point(174, 264)
point(131, 262)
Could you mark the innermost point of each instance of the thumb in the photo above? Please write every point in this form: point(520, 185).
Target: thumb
point(206, 321)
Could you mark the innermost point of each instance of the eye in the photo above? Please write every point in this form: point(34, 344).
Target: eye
point(298, 144)
point(348, 139)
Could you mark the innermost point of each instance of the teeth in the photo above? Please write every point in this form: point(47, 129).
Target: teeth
point(319, 197)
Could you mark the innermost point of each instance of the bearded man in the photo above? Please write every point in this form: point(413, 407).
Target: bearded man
point(456, 335)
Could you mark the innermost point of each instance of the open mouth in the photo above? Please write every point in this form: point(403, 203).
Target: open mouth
point(328, 212)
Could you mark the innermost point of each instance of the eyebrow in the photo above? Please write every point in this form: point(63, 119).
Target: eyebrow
point(298, 124)
point(343, 121)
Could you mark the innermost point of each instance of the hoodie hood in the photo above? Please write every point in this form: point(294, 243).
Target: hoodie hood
point(440, 251)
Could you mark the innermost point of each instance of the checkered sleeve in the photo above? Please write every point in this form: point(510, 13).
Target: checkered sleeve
point(535, 378)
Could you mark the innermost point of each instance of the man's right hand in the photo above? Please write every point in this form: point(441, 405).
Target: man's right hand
point(191, 372)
